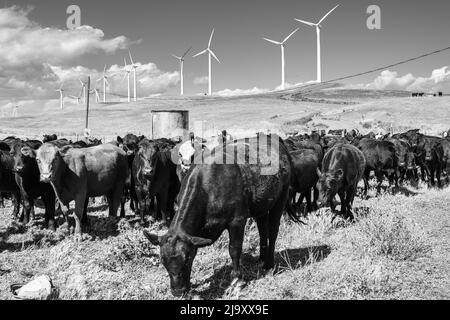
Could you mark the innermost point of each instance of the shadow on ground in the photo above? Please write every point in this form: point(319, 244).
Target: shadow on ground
point(288, 259)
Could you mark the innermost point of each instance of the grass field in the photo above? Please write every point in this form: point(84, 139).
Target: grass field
point(399, 248)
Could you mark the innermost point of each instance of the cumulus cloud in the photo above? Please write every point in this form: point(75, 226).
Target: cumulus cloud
point(240, 92)
point(439, 80)
point(201, 80)
point(35, 60)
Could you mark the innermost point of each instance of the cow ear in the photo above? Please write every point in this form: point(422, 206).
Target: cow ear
point(119, 140)
point(200, 242)
point(153, 238)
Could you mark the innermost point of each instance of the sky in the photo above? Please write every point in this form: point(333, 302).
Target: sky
point(38, 52)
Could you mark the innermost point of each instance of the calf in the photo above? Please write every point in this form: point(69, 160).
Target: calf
point(380, 157)
point(77, 174)
point(155, 174)
point(31, 188)
point(8, 182)
point(343, 167)
point(215, 197)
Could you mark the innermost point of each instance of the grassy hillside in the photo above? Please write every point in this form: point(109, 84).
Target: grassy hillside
point(307, 108)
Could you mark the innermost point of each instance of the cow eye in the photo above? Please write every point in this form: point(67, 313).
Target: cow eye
point(38, 161)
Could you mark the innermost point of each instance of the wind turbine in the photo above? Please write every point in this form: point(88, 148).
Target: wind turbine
point(97, 95)
point(134, 66)
point(61, 96)
point(181, 59)
point(282, 45)
point(128, 72)
point(318, 27)
point(210, 53)
point(83, 90)
point(105, 82)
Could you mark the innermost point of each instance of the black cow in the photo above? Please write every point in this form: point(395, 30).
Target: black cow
point(155, 175)
point(304, 170)
point(49, 138)
point(28, 179)
point(405, 159)
point(8, 181)
point(215, 197)
point(343, 167)
point(380, 157)
point(430, 154)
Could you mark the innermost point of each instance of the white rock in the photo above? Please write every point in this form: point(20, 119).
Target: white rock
point(38, 289)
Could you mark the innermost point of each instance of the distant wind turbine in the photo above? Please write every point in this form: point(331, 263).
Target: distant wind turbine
point(77, 98)
point(105, 82)
point(282, 45)
point(134, 66)
point(61, 96)
point(181, 59)
point(318, 27)
point(210, 53)
point(127, 75)
point(83, 90)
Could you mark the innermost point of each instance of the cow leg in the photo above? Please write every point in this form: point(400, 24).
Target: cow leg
point(308, 201)
point(263, 230)
point(2, 200)
point(349, 203)
point(236, 231)
point(116, 200)
point(162, 206)
point(80, 202)
point(379, 174)
point(15, 198)
point(342, 196)
point(316, 198)
point(49, 204)
point(274, 226)
point(366, 182)
point(153, 206)
point(84, 219)
point(32, 216)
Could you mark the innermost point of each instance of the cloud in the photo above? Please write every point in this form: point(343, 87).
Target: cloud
point(240, 92)
point(36, 60)
point(201, 80)
point(439, 80)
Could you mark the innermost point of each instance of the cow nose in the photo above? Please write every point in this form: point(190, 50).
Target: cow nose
point(401, 164)
point(148, 171)
point(45, 177)
point(19, 169)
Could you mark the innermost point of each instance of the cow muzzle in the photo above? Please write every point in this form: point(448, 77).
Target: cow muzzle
point(46, 177)
point(148, 172)
point(18, 170)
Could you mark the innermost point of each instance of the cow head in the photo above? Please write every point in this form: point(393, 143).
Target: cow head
point(187, 154)
point(328, 185)
point(24, 157)
point(147, 154)
point(48, 159)
point(410, 160)
point(428, 151)
point(177, 255)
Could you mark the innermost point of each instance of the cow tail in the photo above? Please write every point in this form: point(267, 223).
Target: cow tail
point(291, 213)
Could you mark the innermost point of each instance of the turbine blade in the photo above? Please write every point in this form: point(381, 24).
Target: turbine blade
point(200, 53)
point(210, 38)
point(99, 80)
point(272, 41)
point(185, 54)
point(125, 61)
point(212, 53)
point(131, 58)
point(176, 57)
point(325, 16)
point(104, 70)
point(287, 38)
point(306, 22)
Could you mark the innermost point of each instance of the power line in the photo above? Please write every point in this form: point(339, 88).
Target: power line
point(381, 68)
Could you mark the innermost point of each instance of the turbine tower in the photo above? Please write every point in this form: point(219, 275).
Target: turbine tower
point(318, 27)
point(128, 72)
point(210, 53)
point(282, 45)
point(181, 59)
point(61, 96)
point(105, 82)
point(134, 66)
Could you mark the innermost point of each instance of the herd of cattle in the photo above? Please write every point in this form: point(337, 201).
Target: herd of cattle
point(165, 179)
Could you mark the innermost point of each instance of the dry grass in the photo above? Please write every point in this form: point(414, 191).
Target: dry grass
point(397, 249)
